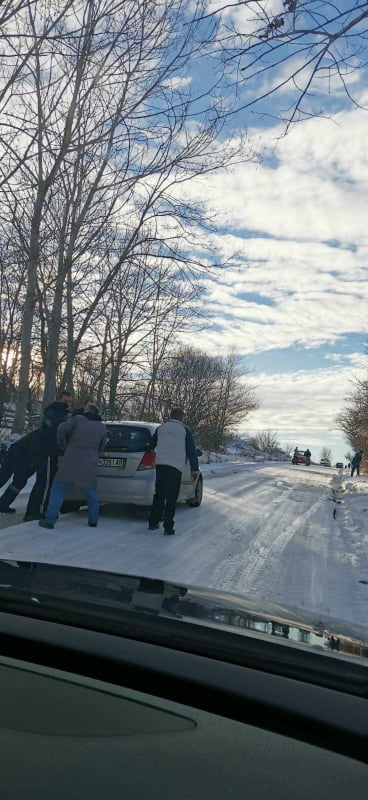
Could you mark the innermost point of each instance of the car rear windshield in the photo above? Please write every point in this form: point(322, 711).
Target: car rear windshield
point(127, 439)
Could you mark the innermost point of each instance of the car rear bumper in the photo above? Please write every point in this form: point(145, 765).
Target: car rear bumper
point(138, 489)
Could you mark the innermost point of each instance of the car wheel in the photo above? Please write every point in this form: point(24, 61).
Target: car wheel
point(70, 505)
point(195, 501)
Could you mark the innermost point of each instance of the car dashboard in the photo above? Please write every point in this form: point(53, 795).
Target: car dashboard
point(132, 709)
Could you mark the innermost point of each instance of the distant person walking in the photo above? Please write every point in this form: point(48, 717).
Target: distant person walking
point(174, 444)
point(82, 438)
point(308, 456)
point(54, 414)
point(355, 464)
point(295, 459)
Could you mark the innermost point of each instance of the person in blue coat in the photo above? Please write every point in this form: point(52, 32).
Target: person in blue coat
point(174, 444)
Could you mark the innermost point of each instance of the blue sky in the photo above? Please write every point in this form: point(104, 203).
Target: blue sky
point(294, 358)
point(295, 308)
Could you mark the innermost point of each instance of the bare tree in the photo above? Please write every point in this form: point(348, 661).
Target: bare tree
point(353, 419)
point(267, 441)
point(12, 272)
point(39, 152)
point(131, 307)
point(234, 399)
point(208, 388)
point(101, 133)
point(302, 51)
point(325, 453)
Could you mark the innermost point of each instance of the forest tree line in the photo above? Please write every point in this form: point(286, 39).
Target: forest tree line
point(103, 244)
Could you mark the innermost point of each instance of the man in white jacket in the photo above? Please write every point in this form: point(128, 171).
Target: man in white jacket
point(174, 444)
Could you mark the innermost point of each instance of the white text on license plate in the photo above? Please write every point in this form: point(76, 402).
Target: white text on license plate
point(112, 462)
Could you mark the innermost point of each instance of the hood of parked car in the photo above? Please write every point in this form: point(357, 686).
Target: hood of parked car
point(139, 606)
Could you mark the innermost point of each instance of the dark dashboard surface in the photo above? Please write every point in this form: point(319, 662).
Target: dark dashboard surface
point(117, 685)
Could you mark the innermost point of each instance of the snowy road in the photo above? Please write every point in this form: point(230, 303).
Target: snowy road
point(290, 535)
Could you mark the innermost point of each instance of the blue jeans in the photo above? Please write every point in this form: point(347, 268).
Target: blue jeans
point(58, 491)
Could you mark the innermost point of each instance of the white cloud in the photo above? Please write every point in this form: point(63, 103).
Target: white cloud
point(177, 83)
point(298, 400)
point(314, 188)
point(312, 196)
point(298, 224)
point(313, 295)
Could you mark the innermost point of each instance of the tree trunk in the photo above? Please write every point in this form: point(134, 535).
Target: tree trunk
point(67, 381)
point(102, 378)
point(52, 355)
point(28, 315)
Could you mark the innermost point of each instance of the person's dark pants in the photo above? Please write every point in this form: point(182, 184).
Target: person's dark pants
point(22, 472)
point(167, 489)
point(353, 470)
point(8, 466)
point(39, 497)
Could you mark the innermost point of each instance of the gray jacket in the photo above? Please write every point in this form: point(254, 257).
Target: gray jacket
point(83, 439)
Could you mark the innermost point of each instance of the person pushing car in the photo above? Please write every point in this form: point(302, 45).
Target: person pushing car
point(174, 445)
point(82, 438)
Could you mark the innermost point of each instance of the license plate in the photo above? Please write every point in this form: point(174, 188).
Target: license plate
point(112, 462)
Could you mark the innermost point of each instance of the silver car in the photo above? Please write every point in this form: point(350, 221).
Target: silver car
point(126, 471)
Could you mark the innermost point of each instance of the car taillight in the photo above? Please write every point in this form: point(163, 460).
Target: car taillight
point(148, 461)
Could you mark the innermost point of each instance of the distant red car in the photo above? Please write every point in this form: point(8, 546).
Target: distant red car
point(300, 458)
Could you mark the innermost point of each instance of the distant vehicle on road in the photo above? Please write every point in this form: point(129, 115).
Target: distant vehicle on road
point(325, 462)
point(339, 465)
point(299, 457)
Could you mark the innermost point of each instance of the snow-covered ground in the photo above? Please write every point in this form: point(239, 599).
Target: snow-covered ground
point(295, 536)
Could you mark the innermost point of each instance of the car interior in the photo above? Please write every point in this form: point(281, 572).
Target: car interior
point(135, 708)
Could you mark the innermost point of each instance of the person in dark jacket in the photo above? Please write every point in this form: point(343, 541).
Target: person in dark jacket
point(308, 456)
point(355, 464)
point(174, 444)
point(21, 462)
point(54, 414)
point(82, 438)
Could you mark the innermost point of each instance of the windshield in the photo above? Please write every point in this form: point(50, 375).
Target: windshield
point(183, 304)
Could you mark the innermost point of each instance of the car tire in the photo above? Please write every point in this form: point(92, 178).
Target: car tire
point(195, 501)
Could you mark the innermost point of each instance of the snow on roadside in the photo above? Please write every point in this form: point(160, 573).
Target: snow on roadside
point(223, 465)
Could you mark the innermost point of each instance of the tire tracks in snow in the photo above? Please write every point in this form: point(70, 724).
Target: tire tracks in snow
point(251, 569)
